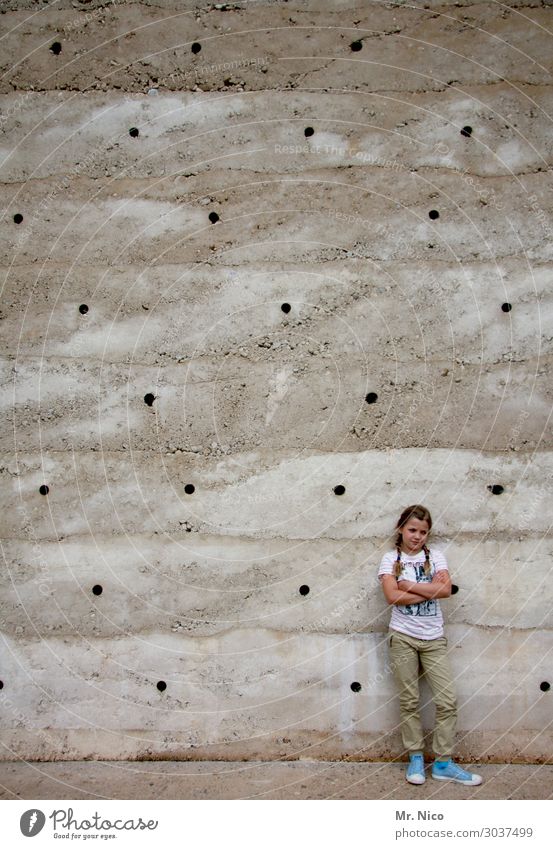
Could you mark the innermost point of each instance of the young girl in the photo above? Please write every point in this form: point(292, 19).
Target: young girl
point(413, 579)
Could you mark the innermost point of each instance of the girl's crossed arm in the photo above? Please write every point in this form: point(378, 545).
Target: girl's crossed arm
point(400, 595)
point(438, 587)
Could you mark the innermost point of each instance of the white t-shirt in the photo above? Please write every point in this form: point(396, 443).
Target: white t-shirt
point(423, 620)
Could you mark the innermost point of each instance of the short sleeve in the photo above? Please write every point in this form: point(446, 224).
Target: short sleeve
point(387, 564)
point(438, 559)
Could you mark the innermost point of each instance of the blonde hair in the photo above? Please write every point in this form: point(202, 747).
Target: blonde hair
point(416, 511)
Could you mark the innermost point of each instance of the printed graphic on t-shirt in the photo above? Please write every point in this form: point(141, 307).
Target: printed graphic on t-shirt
point(428, 607)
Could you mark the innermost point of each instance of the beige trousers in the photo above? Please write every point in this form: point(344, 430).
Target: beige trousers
point(405, 654)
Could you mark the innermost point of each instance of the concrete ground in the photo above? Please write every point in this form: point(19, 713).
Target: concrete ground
point(258, 780)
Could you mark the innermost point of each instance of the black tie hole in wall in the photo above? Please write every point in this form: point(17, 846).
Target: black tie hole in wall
point(454, 589)
point(213, 217)
point(196, 47)
point(285, 307)
point(134, 132)
point(371, 398)
point(356, 686)
point(339, 490)
point(97, 589)
point(149, 399)
point(433, 214)
point(304, 589)
point(56, 48)
point(467, 132)
point(496, 488)
point(161, 685)
point(1, 685)
point(83, 309)
point(506, 307)
point(309, 131)
point(18, 218)
point(545, 686)
point(189, 488)
point(44, 490)
point(356, 46)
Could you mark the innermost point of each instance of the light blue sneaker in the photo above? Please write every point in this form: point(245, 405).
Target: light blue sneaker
point(450, 771)
point(415, 771)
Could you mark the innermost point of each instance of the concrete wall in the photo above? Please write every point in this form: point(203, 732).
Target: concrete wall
point(118, 578)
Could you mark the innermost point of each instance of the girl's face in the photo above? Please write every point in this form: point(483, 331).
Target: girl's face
point(414, 534)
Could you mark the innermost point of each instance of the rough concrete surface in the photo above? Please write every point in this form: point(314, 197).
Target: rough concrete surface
point(250, 254)
point(255, 780)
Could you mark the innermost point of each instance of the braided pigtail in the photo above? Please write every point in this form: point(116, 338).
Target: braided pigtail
point(427, 566)
point(397, 566)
